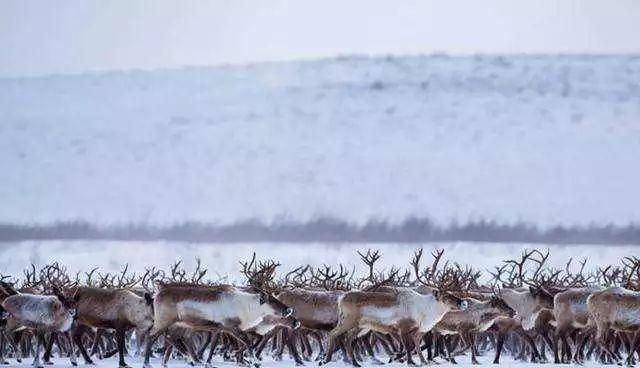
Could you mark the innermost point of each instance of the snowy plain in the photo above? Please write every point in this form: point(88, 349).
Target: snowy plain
point(543, 139)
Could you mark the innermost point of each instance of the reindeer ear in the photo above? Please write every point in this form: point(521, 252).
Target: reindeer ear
point(436, 293)
point(148, 298)
point(263, 298)
point(533, 291)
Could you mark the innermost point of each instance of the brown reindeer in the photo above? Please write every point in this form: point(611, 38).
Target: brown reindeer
point(117, 309)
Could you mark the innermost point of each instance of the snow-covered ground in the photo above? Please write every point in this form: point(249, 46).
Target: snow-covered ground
point(542, 139)
point(463, 361)
point(222, 260)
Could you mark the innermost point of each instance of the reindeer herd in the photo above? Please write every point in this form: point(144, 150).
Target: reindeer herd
point(436, 312)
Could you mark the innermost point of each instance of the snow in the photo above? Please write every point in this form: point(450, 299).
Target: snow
point(222, 260)
point(548, 140)
point(268, 362)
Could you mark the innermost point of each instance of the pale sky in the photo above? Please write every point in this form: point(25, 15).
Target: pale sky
point(74, 36)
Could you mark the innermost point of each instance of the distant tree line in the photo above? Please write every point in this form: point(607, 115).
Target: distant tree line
point(327, 229)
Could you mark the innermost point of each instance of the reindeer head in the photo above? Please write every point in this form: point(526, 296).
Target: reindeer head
point(501, 307)
point(260, 276)
point(541, 296)
point(68, 303)
point(449, 300)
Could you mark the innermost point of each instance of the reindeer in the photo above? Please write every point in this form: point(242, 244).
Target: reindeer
point(404, 312)
point(617, 309)
point(477, 318)
point(42, 314)
point(401, 313)
point(221, 308)
point(117, 309)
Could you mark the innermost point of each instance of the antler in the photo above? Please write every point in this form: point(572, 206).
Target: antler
point(198, 273)
point(149, 277)
point(370, 259)
point(260, 275)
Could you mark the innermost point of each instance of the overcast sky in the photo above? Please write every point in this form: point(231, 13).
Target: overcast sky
point(71, 36)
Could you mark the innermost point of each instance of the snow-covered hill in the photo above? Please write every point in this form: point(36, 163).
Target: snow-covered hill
point(542, 139)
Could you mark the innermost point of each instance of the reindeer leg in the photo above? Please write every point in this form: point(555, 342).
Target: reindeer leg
point(407, 341)
point(214, 344)
point(76, 336)
point(48, 346)
point(385, 344)
point(470, 341)
point(316, 335)
point(157, 330)
point(277, 355)
point(499, 343)
point(120, 341)
point(308, 352)
point(342, 327)
point(417, 340)
point(289, 338)
point(71, 351)
point(581, 342)
point(429, 343)
point(3, 343)
point(367, 342)
point(167, 352)
point(40, 341)
point(205, 344)
point(259, 347)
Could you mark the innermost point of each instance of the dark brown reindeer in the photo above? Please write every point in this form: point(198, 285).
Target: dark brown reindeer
point(315, 300)
point(115, 308)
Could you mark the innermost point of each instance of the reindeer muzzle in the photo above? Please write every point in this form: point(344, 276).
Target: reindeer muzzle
point(73, 312)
